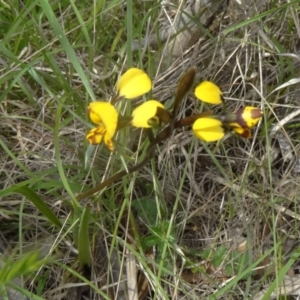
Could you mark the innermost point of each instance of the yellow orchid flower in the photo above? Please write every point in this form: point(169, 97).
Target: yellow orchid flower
point(243, 119)
point(208, 92)
point(95, 137)
point(146, 114)
point(105, 115)
point(241, 131)
point(248, 116)
point(208, 129)
point(133, 83)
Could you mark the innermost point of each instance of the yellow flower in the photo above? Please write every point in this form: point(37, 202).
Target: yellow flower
point(243, 132)
point(243, 119)
point(208, 129)
point(133, 83)
point(208, 92)
point(95, 137)
point(105, 115)
point(248, 117)
point(146, 114)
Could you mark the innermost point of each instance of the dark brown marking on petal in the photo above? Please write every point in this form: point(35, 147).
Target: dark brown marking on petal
point(239, 117)
point(256, 113)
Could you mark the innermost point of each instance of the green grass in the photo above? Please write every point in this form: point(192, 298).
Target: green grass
point(203, 221)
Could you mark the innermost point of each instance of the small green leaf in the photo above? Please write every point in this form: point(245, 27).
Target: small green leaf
point(39, 204)
point(27, 263)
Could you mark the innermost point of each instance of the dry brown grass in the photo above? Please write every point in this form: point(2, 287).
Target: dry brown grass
point(239, 195)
